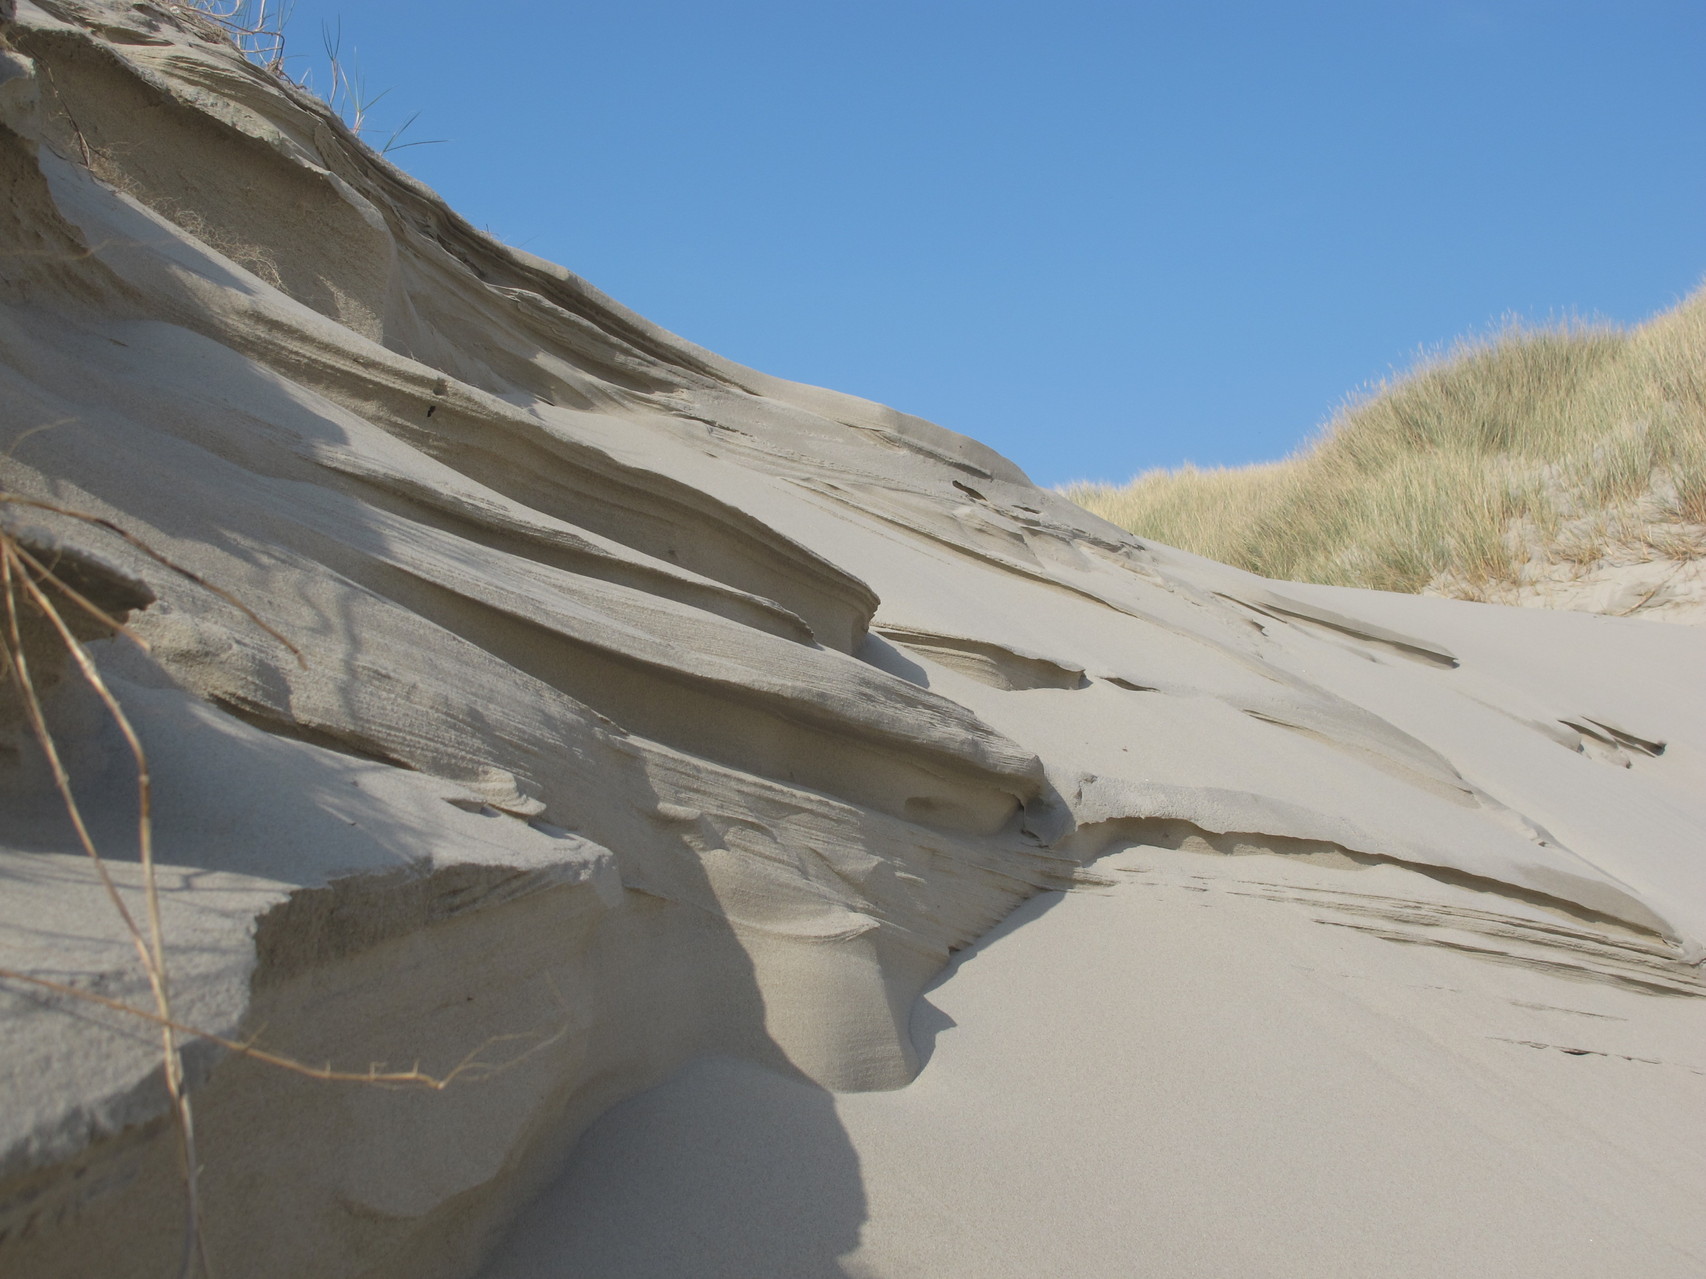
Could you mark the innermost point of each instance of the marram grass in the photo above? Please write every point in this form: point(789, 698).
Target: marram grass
point(1571, 444)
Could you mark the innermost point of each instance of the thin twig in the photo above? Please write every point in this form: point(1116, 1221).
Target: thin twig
point(160, 559)
point(82, 601)
point(18, 665)
point(470, 1067)
point(26, 577)
point(14, 571)
point(1657, 587)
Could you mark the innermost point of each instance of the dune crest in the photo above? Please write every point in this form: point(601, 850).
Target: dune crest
point(650, 707)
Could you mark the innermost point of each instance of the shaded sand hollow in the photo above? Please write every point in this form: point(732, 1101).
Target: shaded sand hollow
point(667, 741)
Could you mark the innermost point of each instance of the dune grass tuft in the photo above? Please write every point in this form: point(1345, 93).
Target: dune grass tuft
point(1574, 444)
point(258, 30)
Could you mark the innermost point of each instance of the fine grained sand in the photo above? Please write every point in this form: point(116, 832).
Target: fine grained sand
point(1212, 1066)
point(665, 725)
point(1660, 590)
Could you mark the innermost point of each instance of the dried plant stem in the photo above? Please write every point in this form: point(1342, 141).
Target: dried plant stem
point(472, 1066)
point(25, 580)
point(256, 27)
point(18, 668)
point(15, 575)
point(22, 576)
point(187, 574)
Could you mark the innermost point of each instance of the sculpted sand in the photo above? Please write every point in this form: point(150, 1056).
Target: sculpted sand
point(665, 723)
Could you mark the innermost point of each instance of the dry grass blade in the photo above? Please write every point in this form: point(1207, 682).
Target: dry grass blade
point(18, 669)
point(255, 26)
point(164, 562)
point(25, 582)
point(95, 612)
point(33, 593)
point(18, 573)
point(471, 1067)
point(1567, 448)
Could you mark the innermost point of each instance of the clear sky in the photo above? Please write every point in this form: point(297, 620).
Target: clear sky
point(1099, 236)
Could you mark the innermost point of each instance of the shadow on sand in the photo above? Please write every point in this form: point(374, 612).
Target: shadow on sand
point(728, 1171)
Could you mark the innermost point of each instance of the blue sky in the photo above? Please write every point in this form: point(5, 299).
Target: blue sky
point(1099, 236)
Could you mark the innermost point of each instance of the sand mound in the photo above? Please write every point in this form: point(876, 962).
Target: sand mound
point(649, 709)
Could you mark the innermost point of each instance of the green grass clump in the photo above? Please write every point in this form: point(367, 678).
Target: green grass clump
point(1573, 444)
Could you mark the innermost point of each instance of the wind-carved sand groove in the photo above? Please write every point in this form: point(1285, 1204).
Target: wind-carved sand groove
point(1611, 745)
point(651, 707)
point(453, 506)
point(988, 663)
point(1644, 964)
point(1333, 626)
point(1575, 950)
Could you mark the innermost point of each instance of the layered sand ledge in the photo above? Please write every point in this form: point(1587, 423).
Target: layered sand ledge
point(663, 723)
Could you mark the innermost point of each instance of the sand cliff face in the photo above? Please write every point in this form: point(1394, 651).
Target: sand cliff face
point(648, 706)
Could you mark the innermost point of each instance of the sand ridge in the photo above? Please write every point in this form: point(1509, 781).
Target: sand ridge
point(651, 709)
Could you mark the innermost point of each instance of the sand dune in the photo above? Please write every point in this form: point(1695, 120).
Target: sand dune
point(662, 725)
point(1212, 1066)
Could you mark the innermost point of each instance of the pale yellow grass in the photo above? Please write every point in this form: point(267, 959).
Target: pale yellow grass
point(1579, 444)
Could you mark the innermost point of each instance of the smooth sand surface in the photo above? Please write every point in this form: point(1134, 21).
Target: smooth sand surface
point(1213, 1066)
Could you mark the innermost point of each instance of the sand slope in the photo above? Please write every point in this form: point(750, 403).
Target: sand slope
point(1214, 1066)
point(653, 709)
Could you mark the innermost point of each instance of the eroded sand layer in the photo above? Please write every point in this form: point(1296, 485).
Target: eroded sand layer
point(607, 706)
